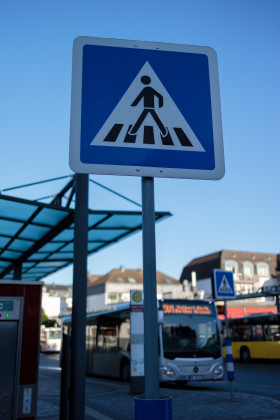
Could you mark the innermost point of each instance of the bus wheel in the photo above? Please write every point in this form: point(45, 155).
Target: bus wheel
point(125, 371)
point(245, 354)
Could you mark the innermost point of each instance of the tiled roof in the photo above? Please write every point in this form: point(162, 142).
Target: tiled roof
point(122, 275)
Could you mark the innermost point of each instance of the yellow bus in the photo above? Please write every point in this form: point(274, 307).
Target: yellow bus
point(255, 337)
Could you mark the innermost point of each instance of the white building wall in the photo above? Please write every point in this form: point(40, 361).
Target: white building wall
point(51, 305)
point(95, 302)
point(121, 292)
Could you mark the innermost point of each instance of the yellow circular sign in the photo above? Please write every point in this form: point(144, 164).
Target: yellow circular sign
point(137, 296)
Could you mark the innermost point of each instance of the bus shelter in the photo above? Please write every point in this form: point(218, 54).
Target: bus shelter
point(37, 240)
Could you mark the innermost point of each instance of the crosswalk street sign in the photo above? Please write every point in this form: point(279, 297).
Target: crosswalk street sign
point(223, 284)
point(146, 109)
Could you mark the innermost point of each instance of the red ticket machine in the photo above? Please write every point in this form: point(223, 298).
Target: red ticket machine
point(20, 316)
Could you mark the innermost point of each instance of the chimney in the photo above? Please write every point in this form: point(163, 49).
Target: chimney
point(194, 288)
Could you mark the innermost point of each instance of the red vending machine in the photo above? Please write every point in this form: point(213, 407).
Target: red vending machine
point(20, 316)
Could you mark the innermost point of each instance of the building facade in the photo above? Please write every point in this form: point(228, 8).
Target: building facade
point(251, 272)
point(56, 300)
point(114, 287)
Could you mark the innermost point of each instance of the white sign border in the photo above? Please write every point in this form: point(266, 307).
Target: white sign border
point(75, 117)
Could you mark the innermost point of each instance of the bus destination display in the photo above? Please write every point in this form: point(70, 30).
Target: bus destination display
point(188, 309)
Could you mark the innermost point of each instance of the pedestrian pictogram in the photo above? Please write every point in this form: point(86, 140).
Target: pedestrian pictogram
point(223, 284)
point(150, 120)
point(148, 94)
point(144, 108)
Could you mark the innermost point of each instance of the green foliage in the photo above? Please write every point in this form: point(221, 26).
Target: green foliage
point(44, 317)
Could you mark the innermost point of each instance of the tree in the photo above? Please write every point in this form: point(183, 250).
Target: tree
point(44, 317)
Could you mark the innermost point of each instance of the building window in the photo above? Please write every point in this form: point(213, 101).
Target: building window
point(131, 280)
point(263, 269)
point(168, 281)
point(248, 269)
point(112, 297)
point(231, 265)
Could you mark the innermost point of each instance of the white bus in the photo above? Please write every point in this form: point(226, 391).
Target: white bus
point(50, 339)
point(188, 336)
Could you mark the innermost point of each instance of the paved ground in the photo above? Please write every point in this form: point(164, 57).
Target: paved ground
point(110, 400)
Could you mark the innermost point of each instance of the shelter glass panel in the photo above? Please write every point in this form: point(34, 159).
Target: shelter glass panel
point(26, 265)
point(53, 264)
point(94, 245)
point(30, 278)
point(50, 217)
point(95, 218)
point(4, 241)
point(66, 235)
point(68, 247)
point(16, 210)
point(105, 234)
point(37, 270)
point(61, 256)
point(11, 255)
point(38, 256)
point(4, 264)
point(51, 247)
point(34, 232)
point(9, 228)
point(123, 221)
point(21, 245)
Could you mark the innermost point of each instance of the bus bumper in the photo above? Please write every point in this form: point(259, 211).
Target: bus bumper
point(191, 372)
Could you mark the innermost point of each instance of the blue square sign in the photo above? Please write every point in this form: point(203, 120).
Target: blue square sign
point(223, 284)
point(146, 109)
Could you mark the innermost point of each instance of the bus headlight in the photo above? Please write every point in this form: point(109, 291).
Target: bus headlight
point(167, 371)
point(219, 371)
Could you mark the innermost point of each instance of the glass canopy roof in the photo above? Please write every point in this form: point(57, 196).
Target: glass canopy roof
point(36, 239)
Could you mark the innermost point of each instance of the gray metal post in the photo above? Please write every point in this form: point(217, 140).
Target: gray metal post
point(226, 318)
point(64, 378)
point(227, 335)
point(150, 291)
point(277, 303)
point(78, 338)
point(17, 271)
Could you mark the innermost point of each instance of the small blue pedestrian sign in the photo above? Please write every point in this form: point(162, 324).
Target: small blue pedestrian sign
point(223, 284)
point(146, 109)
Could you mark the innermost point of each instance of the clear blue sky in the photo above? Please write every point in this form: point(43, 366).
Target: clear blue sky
point(241, 211)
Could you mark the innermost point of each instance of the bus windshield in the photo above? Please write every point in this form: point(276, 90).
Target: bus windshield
point(192, 336)
point(54, 335)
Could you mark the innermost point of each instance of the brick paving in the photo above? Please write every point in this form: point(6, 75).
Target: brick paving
point(110, 400)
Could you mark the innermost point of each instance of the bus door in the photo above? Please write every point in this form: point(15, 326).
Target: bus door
point(106, 357)
point(91, 330)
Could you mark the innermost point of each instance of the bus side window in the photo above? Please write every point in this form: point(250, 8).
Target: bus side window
point(107, 338)
point(275, 332)
point(91, 336)
point(242, 333)
point(258, 333)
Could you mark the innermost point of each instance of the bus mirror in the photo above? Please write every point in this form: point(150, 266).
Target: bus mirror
point(160, 316)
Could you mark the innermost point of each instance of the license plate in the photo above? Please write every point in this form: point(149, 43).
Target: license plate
point(182, 377)
point(195, 378)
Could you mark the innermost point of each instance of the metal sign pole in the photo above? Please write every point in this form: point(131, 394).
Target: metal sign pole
point(229, 359)
point(150, 291)
point(78, 336)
